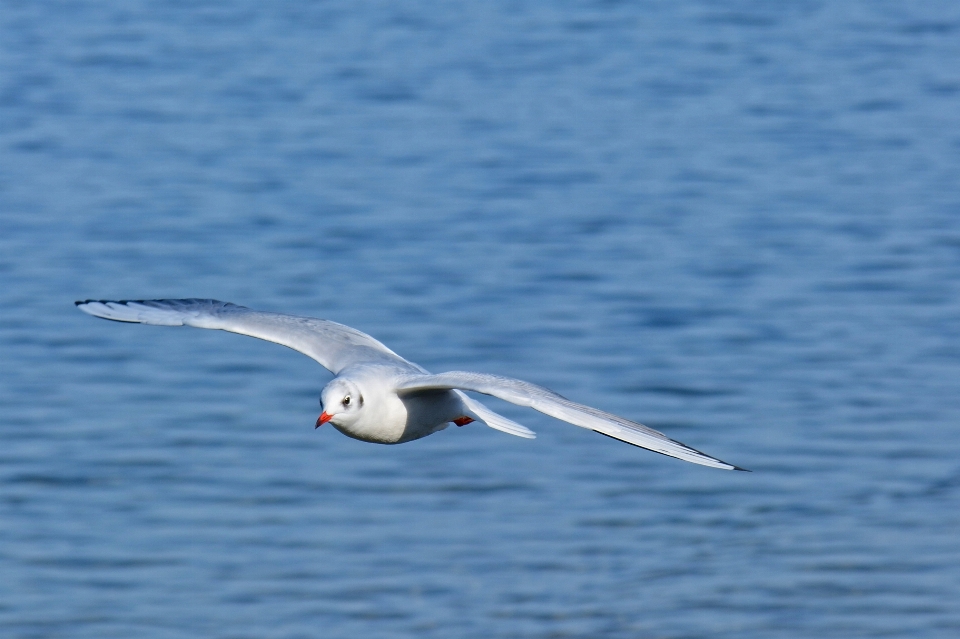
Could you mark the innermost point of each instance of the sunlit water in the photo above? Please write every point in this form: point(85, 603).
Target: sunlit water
point(735, 222)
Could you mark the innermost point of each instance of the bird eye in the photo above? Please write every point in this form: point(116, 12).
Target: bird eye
point(346, 400)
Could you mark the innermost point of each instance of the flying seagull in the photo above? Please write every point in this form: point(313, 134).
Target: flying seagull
point(378, 396)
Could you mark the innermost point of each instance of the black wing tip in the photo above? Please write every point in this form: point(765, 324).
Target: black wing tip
point(82, 302)
point(188, 299)
point(732, 467)
point(79, 303)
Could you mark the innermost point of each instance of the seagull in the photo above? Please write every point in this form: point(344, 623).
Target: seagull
point(378, 396)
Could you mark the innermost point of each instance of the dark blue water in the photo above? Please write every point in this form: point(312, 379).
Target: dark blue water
point(736, 222)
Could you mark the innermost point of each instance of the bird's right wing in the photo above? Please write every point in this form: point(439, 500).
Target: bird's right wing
point(333, 345)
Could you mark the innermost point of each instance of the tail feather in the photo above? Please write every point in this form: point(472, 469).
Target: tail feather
point(493, 420)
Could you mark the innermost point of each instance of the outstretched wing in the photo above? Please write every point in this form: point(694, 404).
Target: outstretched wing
point(334, 345)
point(546, 401)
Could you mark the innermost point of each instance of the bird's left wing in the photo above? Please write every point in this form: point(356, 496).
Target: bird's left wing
point(333, 345)
point(546, 401)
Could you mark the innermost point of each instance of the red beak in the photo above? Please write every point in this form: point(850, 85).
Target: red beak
point(323, 419)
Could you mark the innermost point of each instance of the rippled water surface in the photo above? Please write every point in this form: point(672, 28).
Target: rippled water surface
point(736, 222)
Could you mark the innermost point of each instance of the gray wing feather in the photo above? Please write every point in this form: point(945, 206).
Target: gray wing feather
point(546, 401)
point(333, 345)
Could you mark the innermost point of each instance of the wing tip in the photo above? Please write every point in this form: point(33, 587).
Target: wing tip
point(730, 466)
point(86, 307)
point(725, 465)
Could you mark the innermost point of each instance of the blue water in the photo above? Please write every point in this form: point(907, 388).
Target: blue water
point(736, 222)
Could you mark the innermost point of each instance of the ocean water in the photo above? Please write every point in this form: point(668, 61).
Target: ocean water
point(736, 222)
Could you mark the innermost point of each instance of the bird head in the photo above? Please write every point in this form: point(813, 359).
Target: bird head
point(341, 402)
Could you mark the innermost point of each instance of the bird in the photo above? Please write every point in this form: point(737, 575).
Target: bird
point(378, 396)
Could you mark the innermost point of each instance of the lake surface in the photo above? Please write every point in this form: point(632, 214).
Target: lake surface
point(736, 222)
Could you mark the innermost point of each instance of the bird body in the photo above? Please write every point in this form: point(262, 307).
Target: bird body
point(378, 396)
point(380, 414)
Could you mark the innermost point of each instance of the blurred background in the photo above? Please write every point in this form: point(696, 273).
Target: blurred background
point(736, 222)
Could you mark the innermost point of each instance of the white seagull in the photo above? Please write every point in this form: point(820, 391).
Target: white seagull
point(376, 395)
